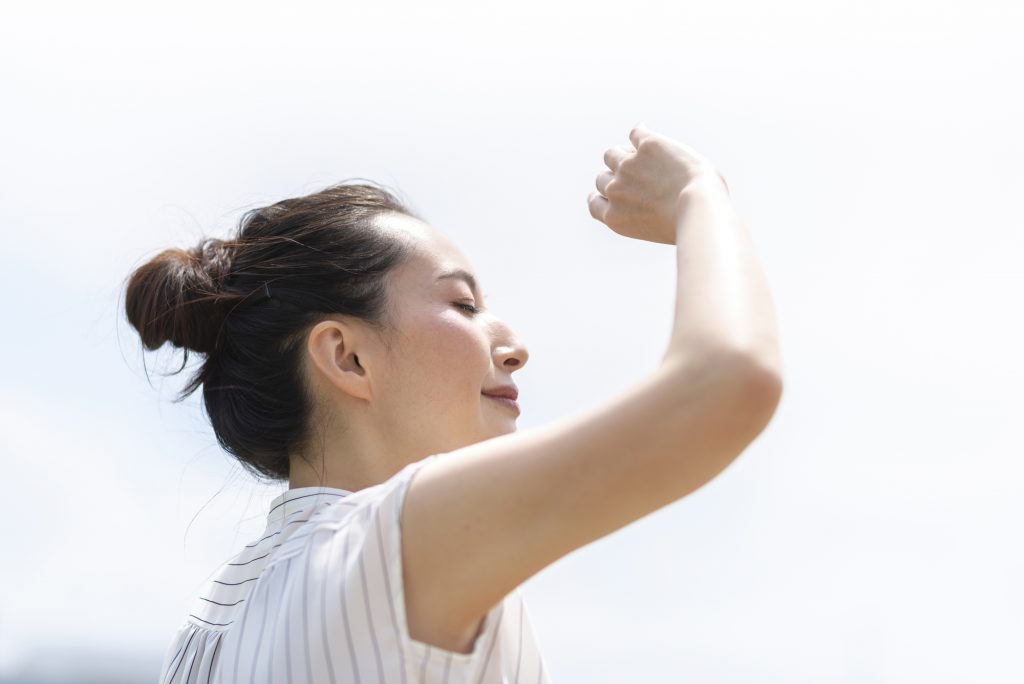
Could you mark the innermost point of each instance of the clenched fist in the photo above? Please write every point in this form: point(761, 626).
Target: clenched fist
point(641, 196)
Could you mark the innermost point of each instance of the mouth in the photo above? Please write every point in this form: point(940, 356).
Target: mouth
point(505, 401)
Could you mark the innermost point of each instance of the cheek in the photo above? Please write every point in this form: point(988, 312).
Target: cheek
point(459, 348)
point(449, 355)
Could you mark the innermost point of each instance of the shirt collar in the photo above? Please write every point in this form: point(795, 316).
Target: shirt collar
point(301, 499)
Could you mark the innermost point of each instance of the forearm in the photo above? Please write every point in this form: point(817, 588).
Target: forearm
point(722, 302)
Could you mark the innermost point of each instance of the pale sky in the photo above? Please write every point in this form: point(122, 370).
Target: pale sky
point(870, 534)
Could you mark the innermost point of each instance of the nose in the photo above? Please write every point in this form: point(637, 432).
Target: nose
point(513, 355)
point(514, 358)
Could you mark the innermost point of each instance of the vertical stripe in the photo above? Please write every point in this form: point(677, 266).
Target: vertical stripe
point(366, 602)
point(423, 666)
point(213, 660)
point(282, 605)
point(241, 630)
point(259, 637)
point(497, 633)
point(387, 582)
point(328, 651)
point(519, 658)
point(180, 649)
point(195, 657)
point(184, 652)
point(305, 617)
point(540, 669)
point(344, 613)
point(447, 665)
point(288, 638)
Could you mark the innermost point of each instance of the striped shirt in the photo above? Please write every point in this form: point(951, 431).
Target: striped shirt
point(319, 597)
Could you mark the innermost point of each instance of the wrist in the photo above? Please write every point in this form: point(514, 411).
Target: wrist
point(706, 188)
point(705, 182)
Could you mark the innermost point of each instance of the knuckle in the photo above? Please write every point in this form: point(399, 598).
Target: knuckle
point(611, 187)
point(610, 158)
point(626, 168)
point(604, 180)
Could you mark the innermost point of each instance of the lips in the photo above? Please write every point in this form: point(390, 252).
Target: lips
point(505, 401)
point(510, 392)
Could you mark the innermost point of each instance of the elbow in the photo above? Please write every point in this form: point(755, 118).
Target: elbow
point(747, 387)
point(755, 387)
point(759, 387)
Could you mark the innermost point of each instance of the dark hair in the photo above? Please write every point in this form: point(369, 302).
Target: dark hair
point(247, 302)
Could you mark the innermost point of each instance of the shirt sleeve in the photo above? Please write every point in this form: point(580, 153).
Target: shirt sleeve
point(376, 570)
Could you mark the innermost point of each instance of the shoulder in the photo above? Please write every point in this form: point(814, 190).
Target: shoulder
point(375, 509)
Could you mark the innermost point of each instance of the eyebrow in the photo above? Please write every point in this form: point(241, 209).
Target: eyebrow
point(464, 276)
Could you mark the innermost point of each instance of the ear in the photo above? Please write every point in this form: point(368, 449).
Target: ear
point(332, 347)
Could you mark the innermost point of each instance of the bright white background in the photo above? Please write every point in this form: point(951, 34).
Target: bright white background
point(870, 534)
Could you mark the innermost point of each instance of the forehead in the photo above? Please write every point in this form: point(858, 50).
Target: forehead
point(434, 255)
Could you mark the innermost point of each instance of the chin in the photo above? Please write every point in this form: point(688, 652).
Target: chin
point(509, 427)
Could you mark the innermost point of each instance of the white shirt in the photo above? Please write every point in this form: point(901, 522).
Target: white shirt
point(319, 597)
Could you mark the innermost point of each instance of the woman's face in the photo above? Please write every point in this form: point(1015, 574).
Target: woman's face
point(444, 355)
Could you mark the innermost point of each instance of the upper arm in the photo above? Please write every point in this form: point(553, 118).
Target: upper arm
point(480, 520)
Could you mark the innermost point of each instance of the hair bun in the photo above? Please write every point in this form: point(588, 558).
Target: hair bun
point(176, 297)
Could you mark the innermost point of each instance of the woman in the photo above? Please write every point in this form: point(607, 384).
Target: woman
point(348, 351)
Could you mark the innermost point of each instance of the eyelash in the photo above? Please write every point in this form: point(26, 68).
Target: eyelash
point(468, 307)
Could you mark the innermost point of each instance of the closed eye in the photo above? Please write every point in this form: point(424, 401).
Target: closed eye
point(468, 307)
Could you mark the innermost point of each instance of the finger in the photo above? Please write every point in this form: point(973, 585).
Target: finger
point(639, 132)
point(614, 156)
point(598, 205)
point(603, 179)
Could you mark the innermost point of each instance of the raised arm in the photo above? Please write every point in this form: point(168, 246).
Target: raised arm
point(481, 520)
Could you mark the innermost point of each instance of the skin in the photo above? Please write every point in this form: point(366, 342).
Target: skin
point(382, 409)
